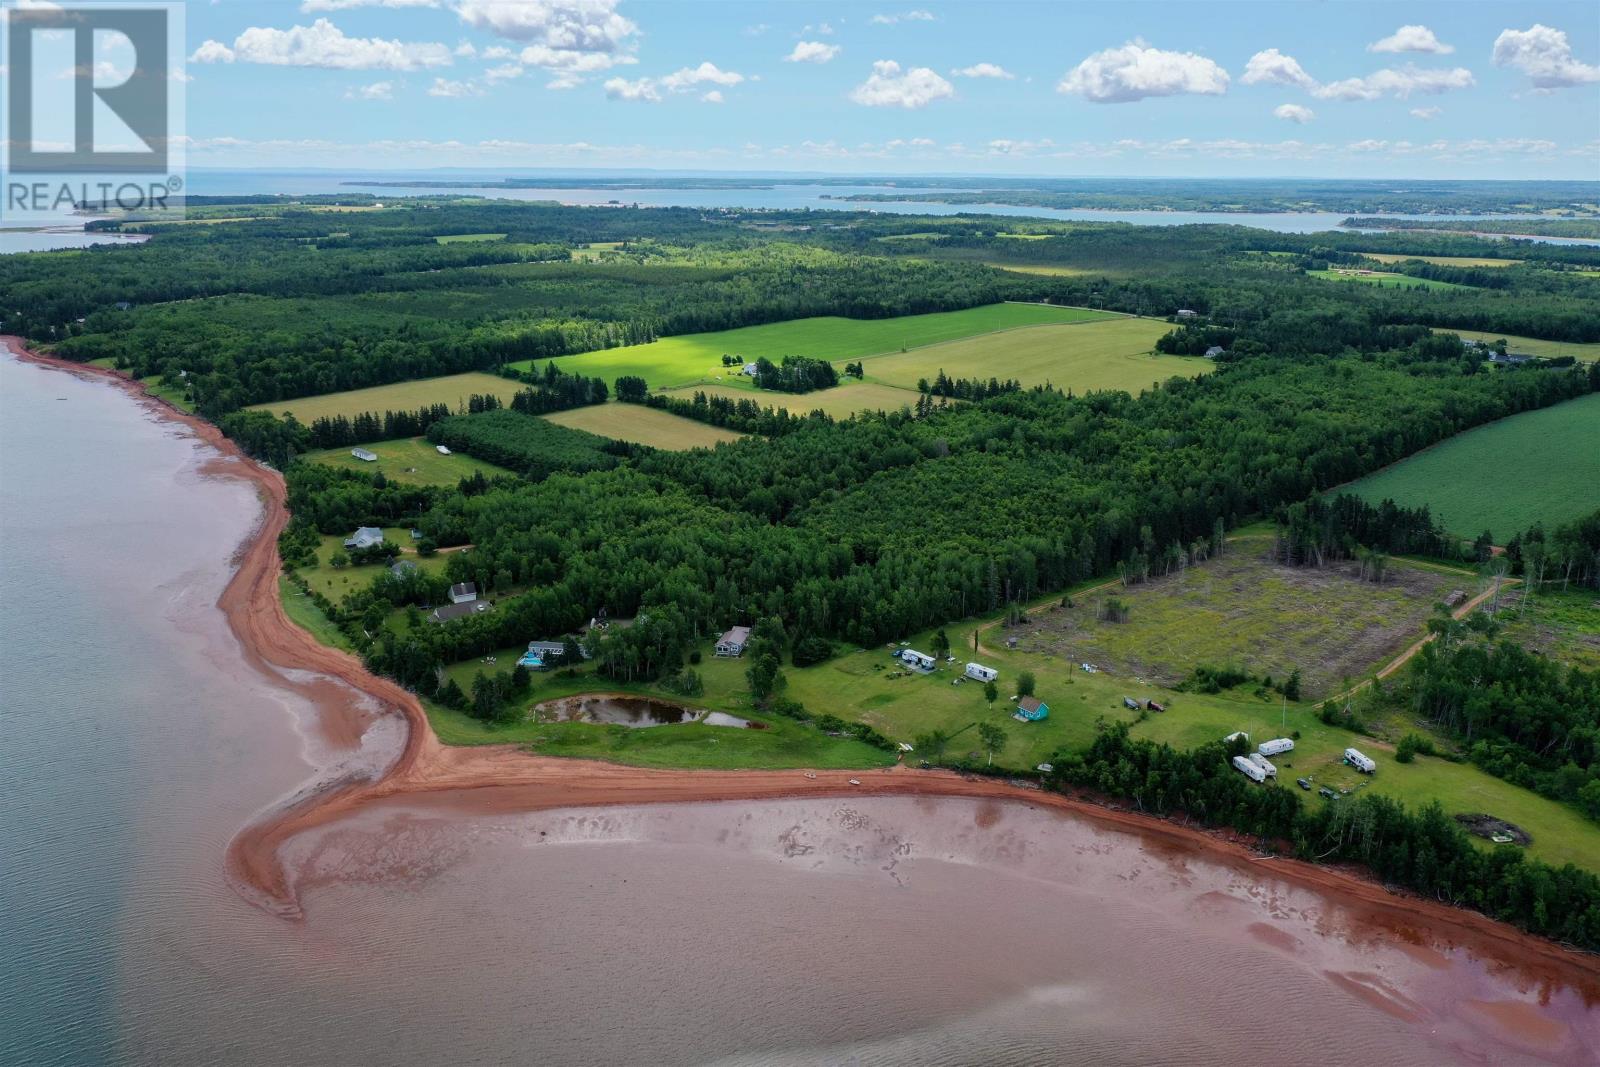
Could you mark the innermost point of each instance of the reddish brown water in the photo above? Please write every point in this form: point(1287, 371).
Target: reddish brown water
point(817, 931)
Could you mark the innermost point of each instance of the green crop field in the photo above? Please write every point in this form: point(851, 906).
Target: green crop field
point(1539, 466)
point(1378, 277)
point(697, 357)
point(1111, 354)
point(1532, 346)
point(642, 425)
point(469, 238)
point(409, 461)
point(841, 401)
point(452, 389)
point(1443, 261)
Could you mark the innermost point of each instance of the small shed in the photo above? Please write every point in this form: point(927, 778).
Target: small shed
point(979, 673)
point(1031, 709)
point(732, 643)
point(463, 593)
point(364, 455)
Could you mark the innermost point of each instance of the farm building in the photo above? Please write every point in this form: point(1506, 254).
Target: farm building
point(459, 610)
point(364, 455)
point(1031, 709)
point(1275, 746)
point(1250, 770)
point(732, 643)
point(979, 673)
point(463, 593)
point(364, 537)
point(916, 660)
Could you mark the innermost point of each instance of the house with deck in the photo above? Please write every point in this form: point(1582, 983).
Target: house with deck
point(732, 643)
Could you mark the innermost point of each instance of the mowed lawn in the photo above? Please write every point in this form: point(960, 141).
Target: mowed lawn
point(452, 389)
point(683, 360)
point(1111, 354)
point(1532, 346)
point(1378, 277)
point(841, 401)
point(1539, 466)
point(644, 426)
point(409, 461)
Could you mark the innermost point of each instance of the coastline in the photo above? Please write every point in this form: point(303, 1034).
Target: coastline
point(506, 779)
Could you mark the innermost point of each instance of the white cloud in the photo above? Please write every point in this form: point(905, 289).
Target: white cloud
point(498, 51)
point(1544, 55)
point(345, 5)
point(812, 52)
point(681, 81)
point(1426, 113)
point(713, 97)
point(642, 89)
point(322, 44)
point(568, 67)
point(984, 70)
point(452, 89)
point(503, 72)
point(1401, 84)
point(705, 74)
point(905, 16)
point(375, 91)
point(1412, 39)
point(889, 86)
point(1294, 113)
point(1136, 71)
point(581, 25)
point(1272, 67)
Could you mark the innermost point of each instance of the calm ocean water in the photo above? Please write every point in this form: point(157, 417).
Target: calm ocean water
point(892, 931)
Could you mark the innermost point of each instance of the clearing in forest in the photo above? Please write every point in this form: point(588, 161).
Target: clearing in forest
point(452, 389)
point(1245, 610)
point(1111, 354)
point(409, 461)
point(1378, 277)
point(1561, 624)
point(642, 425)
point(697, 357)
point(1539, 466)
point(841, 402)
point(1532, 346)
point(1442, 261)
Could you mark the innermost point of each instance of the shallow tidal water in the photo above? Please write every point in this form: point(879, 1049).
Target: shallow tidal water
point(137, 741)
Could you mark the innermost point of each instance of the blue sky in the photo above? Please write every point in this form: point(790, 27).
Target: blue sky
point(1328, 89)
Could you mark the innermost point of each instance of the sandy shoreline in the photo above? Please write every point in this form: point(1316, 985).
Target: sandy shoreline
point(506, 779)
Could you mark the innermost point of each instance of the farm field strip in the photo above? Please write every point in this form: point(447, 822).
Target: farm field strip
point(1532, 346)
point(642, 425)
point(689, 358)
point(1378, 277)
point(1442, 261)
point(841, 401)
point(1538, 466)
point(452, 389)
point(409, 461)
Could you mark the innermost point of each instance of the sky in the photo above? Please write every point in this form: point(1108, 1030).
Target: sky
point(1326, 89)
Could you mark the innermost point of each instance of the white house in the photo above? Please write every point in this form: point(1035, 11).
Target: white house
point(732, 643)
point(364, 455)
point(749, 369)
point(463, 593)
point(365, 537)
point(979, 673)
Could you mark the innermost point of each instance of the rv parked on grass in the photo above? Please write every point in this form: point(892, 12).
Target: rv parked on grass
point(979, 673)
point(1359, 762)
point(1275, 746)
point(917, 660)
point(1266, 765)
point(1250, 770)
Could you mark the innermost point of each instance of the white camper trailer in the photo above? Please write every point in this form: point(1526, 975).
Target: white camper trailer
point(979, 673)
point(1250, 770)
point(917, 660)
point(1265, 764)
point(1275, 746)
point(1236, 735)
point(1361, 763)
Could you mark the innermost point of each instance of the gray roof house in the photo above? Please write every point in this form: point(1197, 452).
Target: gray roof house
point(365, 537)
point(455, 611)
point(463, 593)
point(732, 643)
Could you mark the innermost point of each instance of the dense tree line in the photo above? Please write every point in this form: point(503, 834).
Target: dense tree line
point(795, 374)
point(1425, 851)
point(556, 390)
point(1319, 531)
point(967, 388)
point(534, 447)
point(339, 431)
point(746, 415)
point(1569, 554)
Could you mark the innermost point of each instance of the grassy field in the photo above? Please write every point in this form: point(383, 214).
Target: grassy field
point(1112, 354)
point(469, 238)
point(336, 583)
point(306, 615)
point(841, 402)
point(1563, 625)
point(1443, 261)
point(1245, 610)
point(153, 386)
point(642, 425)
point(684, 360)
point(1540, 466)
point(1533, 346)
point(409, 461)
point(1379, 277)
point(1055, 270)
point(452, 389)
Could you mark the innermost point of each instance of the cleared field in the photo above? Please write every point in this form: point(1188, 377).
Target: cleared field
point(1113, 354)
point(1054, 270)
point(642, 425)
point(684, 360)
point(452, 389)
point(409, 461)
point(1443, 261)
point(841, 402)
point(1540, 466)
point(1532, 346)
point(1243, 609)
point(1563, 625)
point(1378, 277)
point(469, 238)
